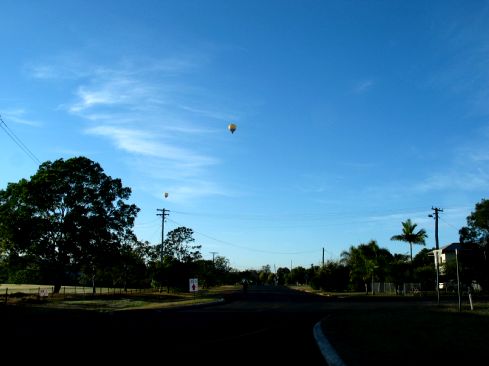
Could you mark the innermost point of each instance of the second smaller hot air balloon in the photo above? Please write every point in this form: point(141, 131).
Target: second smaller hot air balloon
point(166, 194)
point(232, 127)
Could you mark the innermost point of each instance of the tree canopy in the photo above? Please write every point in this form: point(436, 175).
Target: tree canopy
point(178, 245)
point(477, 229)
point(366, 261)
point(70, 216)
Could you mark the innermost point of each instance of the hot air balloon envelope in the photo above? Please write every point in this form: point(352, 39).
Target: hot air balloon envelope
point(232, 127)
point(166, 194)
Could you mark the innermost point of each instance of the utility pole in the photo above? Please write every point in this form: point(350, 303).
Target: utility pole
point(323, 256)
point(437, 256)
point(213, 257)
point(164, 213)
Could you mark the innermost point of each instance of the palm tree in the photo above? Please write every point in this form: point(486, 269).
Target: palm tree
point(408, 235)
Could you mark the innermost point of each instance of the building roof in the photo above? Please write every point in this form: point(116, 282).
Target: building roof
point(459, 246)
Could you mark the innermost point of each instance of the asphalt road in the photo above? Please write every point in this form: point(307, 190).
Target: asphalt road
point(268, 324)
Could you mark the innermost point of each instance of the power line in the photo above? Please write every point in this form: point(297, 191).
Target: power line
point(278, 220)
point(146, 224)
point(446, 222)
point(255, 216)
point(18, 141)
point(243, 247)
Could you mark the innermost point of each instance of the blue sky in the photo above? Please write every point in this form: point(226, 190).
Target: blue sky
point(352, 116)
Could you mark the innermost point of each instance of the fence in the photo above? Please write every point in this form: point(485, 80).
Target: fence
point(7, 291)
point(390, 288)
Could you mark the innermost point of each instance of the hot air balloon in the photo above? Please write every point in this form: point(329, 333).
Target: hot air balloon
point(166, 194)
point(232, 127)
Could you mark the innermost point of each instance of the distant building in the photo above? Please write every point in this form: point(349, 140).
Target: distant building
point(447, 255)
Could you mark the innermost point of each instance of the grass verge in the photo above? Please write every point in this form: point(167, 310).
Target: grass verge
point(118, 302)
point(408, 334)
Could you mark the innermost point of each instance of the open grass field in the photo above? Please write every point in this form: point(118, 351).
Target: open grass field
point(409, 334)
point(65, 290)
point(105, 299)
point(407, 330)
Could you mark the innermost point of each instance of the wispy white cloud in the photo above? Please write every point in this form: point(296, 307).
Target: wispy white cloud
point(196, 189)
point(68, 66)
point(473, 152)
point(145, 143)
point(19, 116)
point(467, 169)
point(43, 72)
point(480, 156)
point(463, 181)
point(181, 64)
point(189, 130)
point(184, 185)
point(464, 72)
point(150, 111)
point(73, 65)
point(399, 216)
point(119, 91)
point(363, 86)
point(209, 113)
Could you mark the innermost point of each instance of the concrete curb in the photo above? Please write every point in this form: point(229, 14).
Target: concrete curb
point(325, 347)
point(189, 306)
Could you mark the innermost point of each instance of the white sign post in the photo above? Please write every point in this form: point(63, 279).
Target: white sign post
point(193, 285)
point(43, 292)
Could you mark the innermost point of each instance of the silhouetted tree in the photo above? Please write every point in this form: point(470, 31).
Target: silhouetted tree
point(69, 216)
point(477, 229)
point(179, 245)
point(364, 262)
point(282, 274)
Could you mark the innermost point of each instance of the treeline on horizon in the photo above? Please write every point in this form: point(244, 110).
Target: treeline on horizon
point(70, 224)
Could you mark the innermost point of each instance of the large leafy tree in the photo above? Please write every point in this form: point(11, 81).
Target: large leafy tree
point(220, 269)
point(70, 216)
point(179, 245)
point(477, 232)
point(424, 269)
point(298, 275)
point(411, 236)
point(332, 276)
point(180, 257)
point(399, 269)
point(282, 275)
point(477, 229)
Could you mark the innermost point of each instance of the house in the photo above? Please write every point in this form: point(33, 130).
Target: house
point(448, 255)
